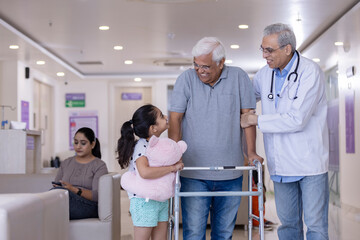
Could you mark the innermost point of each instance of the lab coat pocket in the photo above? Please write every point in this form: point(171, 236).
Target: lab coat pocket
point(298, 146)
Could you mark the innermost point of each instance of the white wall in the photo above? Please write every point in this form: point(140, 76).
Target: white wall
point(14, 88)
point(8, 90)
point(96, 98)
point(347, 29)
point(25, 88)
point(99, 97)
point(160, 97)
point(349, 163)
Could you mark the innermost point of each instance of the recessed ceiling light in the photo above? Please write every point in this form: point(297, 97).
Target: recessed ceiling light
point(228, 61)
point(60, 74)
point(128, 62)
point(118, 47)
point(316, 59)
point(40, 62)
point(14, 47)
point(104, 28)
point(243, 26)
point(339, 44)
point(137, 79)
point(234, 46)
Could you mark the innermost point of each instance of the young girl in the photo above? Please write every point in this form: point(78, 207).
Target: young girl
point(80, 175)
point(149, 217)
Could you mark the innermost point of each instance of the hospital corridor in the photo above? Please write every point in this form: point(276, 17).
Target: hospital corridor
point(88, 88)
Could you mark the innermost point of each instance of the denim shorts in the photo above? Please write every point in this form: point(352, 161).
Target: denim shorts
point(148, 213)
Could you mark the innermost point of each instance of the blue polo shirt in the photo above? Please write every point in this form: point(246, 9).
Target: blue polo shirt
point(211, 122)
point(281, 76)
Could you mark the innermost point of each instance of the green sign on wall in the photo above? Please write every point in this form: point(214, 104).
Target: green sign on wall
point(75, 100)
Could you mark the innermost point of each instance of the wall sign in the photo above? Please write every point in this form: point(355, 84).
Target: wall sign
point(131, 96)
point(25, 113)
point(75, 100)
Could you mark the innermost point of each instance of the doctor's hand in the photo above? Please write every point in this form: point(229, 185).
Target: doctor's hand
point(248, 119)
point(252, 157)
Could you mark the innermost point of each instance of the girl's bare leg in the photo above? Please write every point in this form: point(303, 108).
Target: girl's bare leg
point(160, 231)
point(142, 233)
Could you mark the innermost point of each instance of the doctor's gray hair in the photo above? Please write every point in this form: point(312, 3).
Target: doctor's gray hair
point(285, 34)
point(207, 45)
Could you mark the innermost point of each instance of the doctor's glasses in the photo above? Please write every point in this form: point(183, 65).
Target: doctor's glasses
point(269, 50)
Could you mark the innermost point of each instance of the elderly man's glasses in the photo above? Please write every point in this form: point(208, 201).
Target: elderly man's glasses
point(204, 67)
point(269, 50)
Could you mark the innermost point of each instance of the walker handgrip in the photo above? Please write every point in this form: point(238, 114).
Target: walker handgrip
point(257, 162)
point(229, 167)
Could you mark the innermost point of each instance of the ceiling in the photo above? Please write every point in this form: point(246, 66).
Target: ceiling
point(157, 35)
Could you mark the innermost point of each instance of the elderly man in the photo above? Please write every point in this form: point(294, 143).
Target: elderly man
point(206, 104)
point(293, 120)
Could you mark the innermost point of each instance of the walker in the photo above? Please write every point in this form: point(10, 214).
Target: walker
point(174, 210)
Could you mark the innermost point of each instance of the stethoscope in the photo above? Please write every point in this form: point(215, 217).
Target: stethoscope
point(294, 73)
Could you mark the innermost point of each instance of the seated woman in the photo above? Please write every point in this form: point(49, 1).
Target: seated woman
point(80, 175)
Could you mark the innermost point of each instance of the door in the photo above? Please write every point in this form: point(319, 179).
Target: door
point(43, 119)
point(127, 100)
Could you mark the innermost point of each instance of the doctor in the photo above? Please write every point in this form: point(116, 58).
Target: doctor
point(293, 120)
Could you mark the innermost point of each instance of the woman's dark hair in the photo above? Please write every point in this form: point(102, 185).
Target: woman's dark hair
point(141, 121)
point(90, 135)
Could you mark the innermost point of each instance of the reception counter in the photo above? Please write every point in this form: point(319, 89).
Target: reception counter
point(20, 151)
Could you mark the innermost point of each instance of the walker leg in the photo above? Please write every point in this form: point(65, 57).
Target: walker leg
point(176, 206)
point(171, 218)
point(250, 204)
point(261, 200)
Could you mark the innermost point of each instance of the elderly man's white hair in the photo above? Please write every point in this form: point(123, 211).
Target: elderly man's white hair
point(207, 45)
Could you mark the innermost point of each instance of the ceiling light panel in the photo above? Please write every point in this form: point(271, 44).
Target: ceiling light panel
point(243, 26)
point(104, 28)
point(14, 47)
point(118, 48)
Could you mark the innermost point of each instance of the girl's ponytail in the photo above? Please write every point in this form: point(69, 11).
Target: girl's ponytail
point(126, 144)
point(139, 125)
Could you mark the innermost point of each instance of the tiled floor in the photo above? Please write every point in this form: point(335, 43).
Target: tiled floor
point(344, 222)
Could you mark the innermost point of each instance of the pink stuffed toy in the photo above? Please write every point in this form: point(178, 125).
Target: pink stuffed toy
point(160, 152)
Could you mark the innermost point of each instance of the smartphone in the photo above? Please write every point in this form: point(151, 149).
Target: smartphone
point(56, 183)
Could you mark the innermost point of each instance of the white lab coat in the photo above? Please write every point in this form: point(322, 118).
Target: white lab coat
point(296, 135)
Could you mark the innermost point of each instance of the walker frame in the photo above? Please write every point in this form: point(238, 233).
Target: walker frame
point(174, 207)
